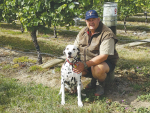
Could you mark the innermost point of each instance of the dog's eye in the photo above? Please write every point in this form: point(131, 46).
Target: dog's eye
point(67, 48)
point(74, 49)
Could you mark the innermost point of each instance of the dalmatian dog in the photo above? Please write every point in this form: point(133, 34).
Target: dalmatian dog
point(69, 79)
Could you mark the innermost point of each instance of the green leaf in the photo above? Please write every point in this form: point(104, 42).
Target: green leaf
point(95, 2)
point(71, 6)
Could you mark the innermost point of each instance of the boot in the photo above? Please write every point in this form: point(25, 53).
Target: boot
point(92, 84)
point(100, 88)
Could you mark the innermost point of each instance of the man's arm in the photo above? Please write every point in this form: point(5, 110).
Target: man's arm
point(97, 60)
point(106, 48)
point(94, 61)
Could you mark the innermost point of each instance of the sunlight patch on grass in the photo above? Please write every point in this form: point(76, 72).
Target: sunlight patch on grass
point(23, 59)
point(35, 68)
point(133, 58)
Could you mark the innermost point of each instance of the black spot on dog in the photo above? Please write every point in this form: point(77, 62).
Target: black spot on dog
point(71, 79)
point(67, 82)
point(74, 79)
point(69, 72)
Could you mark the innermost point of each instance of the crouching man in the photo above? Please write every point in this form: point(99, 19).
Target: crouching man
point(97, 51)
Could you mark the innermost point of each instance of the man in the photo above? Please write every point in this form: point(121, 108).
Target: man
point(97, 51)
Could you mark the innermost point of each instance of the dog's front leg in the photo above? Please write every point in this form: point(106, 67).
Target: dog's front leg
point(62, 91)
point(80, 104)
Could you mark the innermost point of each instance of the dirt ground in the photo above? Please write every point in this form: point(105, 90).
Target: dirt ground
point(119, 91)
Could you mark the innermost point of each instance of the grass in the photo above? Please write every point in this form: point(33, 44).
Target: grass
point(23, 59)
point(31, 98)
point(17, 97)
point(135, 57)
point(16, 40)
point(35, 68)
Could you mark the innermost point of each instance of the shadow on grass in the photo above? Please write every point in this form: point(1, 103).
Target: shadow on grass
point(90, 97)
point(133, 81)
point(126, 39)
point(135, 19)
point(46, 30)
point(133, 73)
point(134, 28)
point(27, 45)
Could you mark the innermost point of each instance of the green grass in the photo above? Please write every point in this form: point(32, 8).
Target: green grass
point(14, 39)
point(25, 44)
point(16, 97)
point(23, 59)
point(134, 57)
point(31, 98)
point(134, 28)
point(35, 68)
point(7, 66)
point(145, 97)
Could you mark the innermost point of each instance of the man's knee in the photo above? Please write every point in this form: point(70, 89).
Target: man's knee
point(100, 72)
point(96, 70)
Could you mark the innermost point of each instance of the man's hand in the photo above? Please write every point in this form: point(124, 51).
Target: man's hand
point(79, 67)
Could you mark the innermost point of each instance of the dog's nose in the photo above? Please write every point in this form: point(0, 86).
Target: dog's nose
point(69, 53)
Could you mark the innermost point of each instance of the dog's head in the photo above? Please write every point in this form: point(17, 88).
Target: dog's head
point(71, 51)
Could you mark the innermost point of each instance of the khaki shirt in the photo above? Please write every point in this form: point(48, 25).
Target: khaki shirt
point(103, 41)
point(106, 47)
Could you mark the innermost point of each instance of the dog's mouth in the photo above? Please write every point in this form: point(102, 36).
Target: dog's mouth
point(70, 56)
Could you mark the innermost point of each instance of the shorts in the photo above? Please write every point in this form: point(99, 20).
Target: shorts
point(111, 69)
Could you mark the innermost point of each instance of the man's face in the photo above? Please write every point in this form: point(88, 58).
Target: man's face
point(92, 23)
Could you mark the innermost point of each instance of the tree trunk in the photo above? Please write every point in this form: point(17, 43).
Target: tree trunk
point(125, 25)
point(55, 32)
point(22, 29)
point(34, 39)
point(145, 13)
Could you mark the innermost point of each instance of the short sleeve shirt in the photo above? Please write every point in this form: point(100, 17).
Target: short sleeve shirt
point(107, 47)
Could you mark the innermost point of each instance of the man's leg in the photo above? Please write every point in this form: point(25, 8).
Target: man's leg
point(100, 71)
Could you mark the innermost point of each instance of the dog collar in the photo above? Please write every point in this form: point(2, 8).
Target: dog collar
point(69, 62)
point(73, 64)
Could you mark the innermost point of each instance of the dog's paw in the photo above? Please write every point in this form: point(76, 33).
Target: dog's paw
point(80, 104)
point(62, 102)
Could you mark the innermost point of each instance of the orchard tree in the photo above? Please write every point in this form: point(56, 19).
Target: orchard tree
point(86, 5)
point(128, 8)
point(1, 9)
point(36, 14)
point(9, 10)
